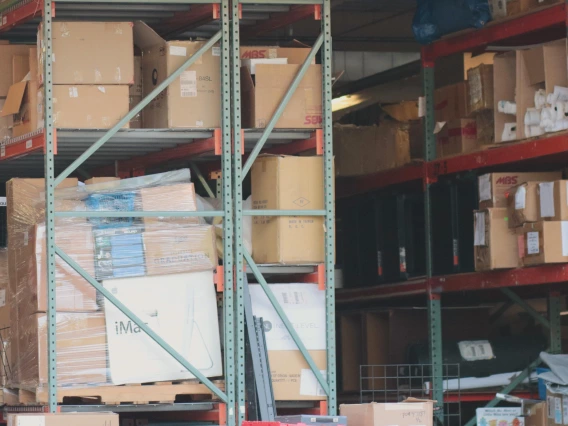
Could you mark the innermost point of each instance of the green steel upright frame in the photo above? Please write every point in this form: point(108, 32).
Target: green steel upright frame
point(228, 395)
point(323, 45)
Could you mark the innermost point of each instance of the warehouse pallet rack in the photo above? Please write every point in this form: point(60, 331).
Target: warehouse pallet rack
point(128, 152)
point(545, 24)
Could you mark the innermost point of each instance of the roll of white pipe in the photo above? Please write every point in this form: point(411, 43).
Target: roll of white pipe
point(535, 131)
point(540, 99)
point(532, 117)
point(560, 93)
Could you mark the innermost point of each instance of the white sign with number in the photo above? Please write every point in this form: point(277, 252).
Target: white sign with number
point(476, 350)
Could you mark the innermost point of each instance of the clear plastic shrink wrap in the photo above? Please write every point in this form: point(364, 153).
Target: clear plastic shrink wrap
point(159, 267)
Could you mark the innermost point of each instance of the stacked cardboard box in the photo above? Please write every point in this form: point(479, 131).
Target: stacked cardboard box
point(496, 223)
point(266, 74)
point(172, 256)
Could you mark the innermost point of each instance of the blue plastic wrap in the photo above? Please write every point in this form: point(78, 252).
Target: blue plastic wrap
point(435, 18)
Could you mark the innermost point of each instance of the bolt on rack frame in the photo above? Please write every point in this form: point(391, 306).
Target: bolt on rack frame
point(321, 9)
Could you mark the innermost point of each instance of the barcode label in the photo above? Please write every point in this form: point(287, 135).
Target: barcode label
point(293, 298)
point(188, 86)
point(2, 150)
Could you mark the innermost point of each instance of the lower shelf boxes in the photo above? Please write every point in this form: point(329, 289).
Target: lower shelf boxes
point(495, 245)
point(544, 242)
point(304, 305)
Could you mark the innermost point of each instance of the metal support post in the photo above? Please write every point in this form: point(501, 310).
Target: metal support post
point(237, 199)
point(225, 189)
point(554, 309)
point(435, 342)
point(50, 185)
point(434, 303)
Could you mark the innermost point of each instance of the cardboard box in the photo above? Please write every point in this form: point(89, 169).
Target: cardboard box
point(173, 251)
point(21, 104)
point(495, 245)
point(295, 55)
point(494, 187)
point(87, 107)
point(505, 78)
point(365, 150)
point(20, 68)
point(191, 101)
point(137, 89)
point(90, 53)
point(553, 200)
point(261, 97)
point(188, 322)
point(451, 102)
point(544, 242)
point(81, 349)
point(64, 419)
point(176, 198)
point(541, 67)
point(7, 52)
point(408, 413)
point(6, 123)
point(102, 179)
point(557, 406)
point(286, 183)
point(499, 416)
point(73, 292)
point(522, 204)
point(137, 122)
point(457, 137)
point(502, 8)
point(351, 332)
point(480, 85)
point(536, 414)
point(304, 305)
point(485, 125)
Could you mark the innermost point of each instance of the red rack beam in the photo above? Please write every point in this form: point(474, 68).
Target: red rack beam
point(22, 146)
point(514, 153)
point(495, 32)
point(22, 14)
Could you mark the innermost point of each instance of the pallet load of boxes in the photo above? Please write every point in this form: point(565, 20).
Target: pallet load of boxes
point(163, 269)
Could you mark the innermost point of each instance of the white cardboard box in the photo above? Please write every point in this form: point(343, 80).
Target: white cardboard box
point(181, 309)
point(303, 304)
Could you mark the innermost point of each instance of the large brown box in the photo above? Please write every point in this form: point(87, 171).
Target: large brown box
point(22, 105)
point(176, 198)
point(494, 187)
point(495, 245)
point(370, 149)
point(261, 97)
point(553, 200)
point(177, 250)
point(544, 242)
point(64, 419)
point(87, 107)
point(81, 349)
point(90, 53)
point(7, 52)
point(287, 183)
point(73, 292)
point(451, 102)
point(287, 369)
point(457, 137)
point(522, 204)
point(191, 101)
point(407, 413)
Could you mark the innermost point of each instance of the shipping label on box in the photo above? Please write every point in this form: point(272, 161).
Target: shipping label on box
point(188, 322)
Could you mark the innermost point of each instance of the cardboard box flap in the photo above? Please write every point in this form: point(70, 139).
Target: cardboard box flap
point(144, 36)
point(14, 99)
point(535, 65)
point(20, 68)
point(404, 111)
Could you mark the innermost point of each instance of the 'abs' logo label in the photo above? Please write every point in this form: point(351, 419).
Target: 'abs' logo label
point(507, 180)
point(254, 54)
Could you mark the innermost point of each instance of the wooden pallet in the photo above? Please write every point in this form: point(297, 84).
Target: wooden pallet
point(159, 392)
